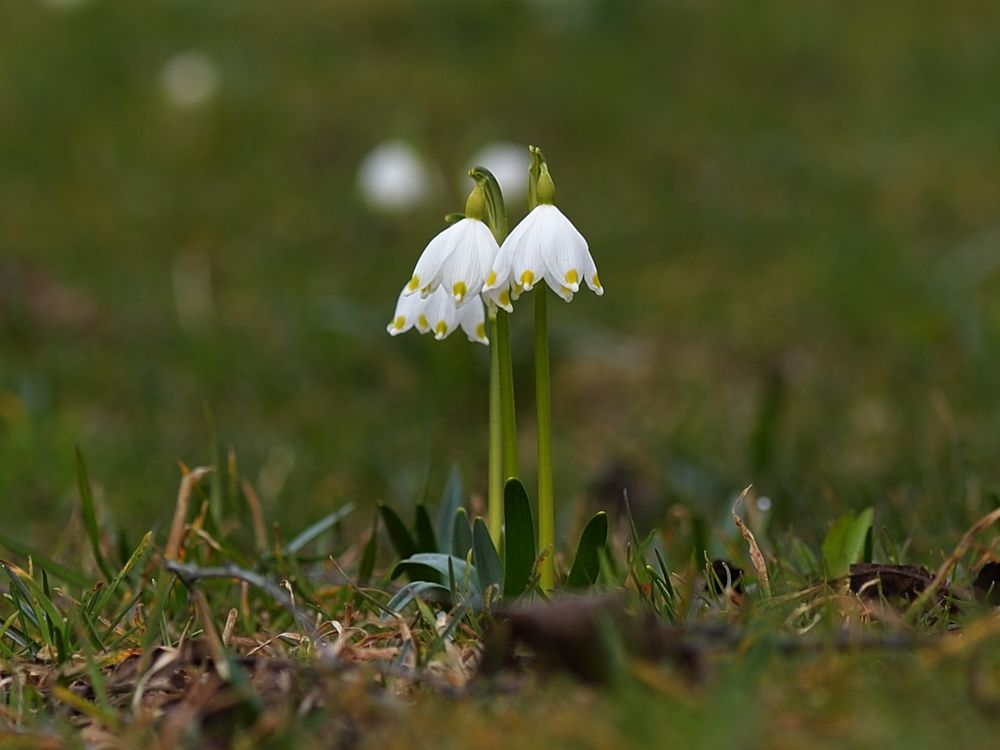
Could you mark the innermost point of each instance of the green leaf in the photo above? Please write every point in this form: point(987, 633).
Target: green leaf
point(318, 528)
point(461, 535)
point(408, 592)
point(398, 533)
point(846, 542)
point(488, 566)
point(424, 531)
point(89, 516)
point(59, 571)
point(518, 540)
point(451, 501)
point(587, 565)
point(444, 565)
point(367, 565)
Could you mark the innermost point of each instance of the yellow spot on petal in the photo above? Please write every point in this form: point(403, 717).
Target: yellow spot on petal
point(414, 284)
point(491, 279)
point(527, 280)
point(481, 331)
point(441, 328)
point(505, 298)
point(597, 282)
point(399, 322)
point(572, 277)
point(422, 321)
point(459, 290)
point(566, 290)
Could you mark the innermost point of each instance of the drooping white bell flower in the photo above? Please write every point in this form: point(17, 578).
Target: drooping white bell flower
point(459, 258)
point(437, 313)
point(545, 245)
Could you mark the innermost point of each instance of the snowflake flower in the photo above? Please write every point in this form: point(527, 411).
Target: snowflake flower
point(459, 258)
point(545, 245)
point(437, 313)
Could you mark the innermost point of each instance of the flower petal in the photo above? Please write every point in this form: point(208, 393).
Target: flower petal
point(408, 312)
point(472, 318)
point(427, 273)
point(441, 314)
point(463, 274)
point(526, 243)
point(566, 254)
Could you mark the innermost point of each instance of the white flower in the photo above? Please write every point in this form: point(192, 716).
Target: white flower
point(545, 245)
point(458, 260)
point(437, 313)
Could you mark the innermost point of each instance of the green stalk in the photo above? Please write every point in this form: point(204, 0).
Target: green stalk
point(496, 453)
point(508, 421)
point(543, 409)
point(503, 428)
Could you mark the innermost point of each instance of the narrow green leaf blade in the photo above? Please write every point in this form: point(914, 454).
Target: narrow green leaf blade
point(461, 534)
point(89, 516)
point(451, 501)
point(487, 561)
point(59, 571)
point(519, 539)
point(408, 592)
point(318, 528)
point(398, 534)
point(138, 556)
point(424, 531)
point(443, 565)
point(367, 565)
point(587, 565)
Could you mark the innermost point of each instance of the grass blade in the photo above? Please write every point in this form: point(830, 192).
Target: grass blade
point(318, 528)
point(138, 555)
point(89, 516)
point(55, 569)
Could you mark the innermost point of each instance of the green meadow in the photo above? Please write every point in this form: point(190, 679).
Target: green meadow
point(795, 211)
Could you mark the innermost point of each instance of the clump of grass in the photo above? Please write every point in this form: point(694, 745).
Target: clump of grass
point(219, 628)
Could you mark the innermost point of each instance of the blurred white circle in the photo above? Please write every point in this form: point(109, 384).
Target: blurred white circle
point(189, 78)
point(763, 503)
point(509, 164)
point(393, 176)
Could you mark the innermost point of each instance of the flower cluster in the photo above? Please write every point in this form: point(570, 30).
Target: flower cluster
point(438, 314)
point(464, 263)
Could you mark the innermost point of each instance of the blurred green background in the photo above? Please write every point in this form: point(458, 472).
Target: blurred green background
point(794, 207)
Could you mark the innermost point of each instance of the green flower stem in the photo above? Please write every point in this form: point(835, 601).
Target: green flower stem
point(496, 451)
point(503, 429)
point(506, 374)
point(543, 409)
